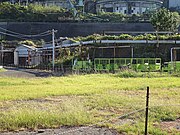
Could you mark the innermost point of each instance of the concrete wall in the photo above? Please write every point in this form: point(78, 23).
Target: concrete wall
point(72, 29)
point(174, 3)
point(3, 25)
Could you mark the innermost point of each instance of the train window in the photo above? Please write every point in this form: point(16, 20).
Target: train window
point(140, 61)
point(151, 61)
point(146, 61)
point(128, 61)
point(165, 64)
point(117, 61)
point(104, 62)
point(122, 62)
point(134, 62)
point(158, 61)
point(96, 61)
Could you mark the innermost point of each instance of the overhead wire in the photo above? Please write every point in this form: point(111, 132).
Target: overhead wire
point(24, 35)
point(12, 35)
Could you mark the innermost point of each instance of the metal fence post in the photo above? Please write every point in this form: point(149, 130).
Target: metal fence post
point(147, 108)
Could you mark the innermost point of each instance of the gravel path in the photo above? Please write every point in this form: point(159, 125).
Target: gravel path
point(24, 73)
point(67, 131)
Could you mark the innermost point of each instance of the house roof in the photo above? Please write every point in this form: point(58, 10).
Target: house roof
point(26, 46)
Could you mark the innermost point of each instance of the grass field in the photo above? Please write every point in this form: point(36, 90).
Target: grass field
point(89, 99)
point(2, 70)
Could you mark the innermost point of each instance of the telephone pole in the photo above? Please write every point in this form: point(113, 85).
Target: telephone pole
point(53, 43)
point(2, 55)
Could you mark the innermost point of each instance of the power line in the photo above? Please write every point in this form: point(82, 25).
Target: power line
point(12, 35)
point(24, 35)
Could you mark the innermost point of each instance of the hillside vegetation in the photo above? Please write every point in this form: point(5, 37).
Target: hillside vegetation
point(31, 13)
point(39, 13)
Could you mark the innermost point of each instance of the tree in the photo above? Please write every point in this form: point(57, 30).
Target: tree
point(164, 20)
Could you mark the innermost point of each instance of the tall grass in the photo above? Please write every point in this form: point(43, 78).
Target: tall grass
point(86, 99)
point(2, 70)
point(35, 116)
point(18, 88)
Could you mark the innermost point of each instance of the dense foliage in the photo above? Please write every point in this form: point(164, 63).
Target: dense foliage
point(113, 17)
point(32, 12)
point(128, 37)
point(11, 12)
point(164, 20)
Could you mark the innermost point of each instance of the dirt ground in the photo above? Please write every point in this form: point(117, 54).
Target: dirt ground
point(170, 125)
point(31, 73)
point(67, 131)
point(24, 73)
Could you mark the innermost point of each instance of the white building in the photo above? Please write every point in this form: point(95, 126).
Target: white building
point(26, 56)
point(174, 3)
point(128, 6)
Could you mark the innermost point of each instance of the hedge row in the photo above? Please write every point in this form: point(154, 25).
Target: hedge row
point(127, 37)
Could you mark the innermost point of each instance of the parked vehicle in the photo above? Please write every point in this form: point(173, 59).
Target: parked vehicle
point(171, 66)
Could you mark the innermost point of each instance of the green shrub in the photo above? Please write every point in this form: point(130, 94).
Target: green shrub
point(175, 37)
point(125, 37)
point(112, 17)
point(163, 37)
point(140, 37)
point(32, 12)
point(28, 42)
point(150, 37)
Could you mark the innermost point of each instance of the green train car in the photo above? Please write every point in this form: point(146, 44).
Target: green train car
point(115, 64)
point(111, 64)
point(137, 64)
point(171, 66)
point(146, 64)
point(82, 65)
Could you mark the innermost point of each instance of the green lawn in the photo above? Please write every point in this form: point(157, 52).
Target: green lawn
point(2, 70)
point(88, 99)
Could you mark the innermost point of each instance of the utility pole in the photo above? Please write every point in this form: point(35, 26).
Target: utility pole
point(53, 43)
point(61, 44)
point(2, 55)
point(53, 57)
point(27, 2)
point(62, 67)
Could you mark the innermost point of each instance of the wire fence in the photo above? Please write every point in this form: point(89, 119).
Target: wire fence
point(138, 112)
point(114, 118)
point(57, 68)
